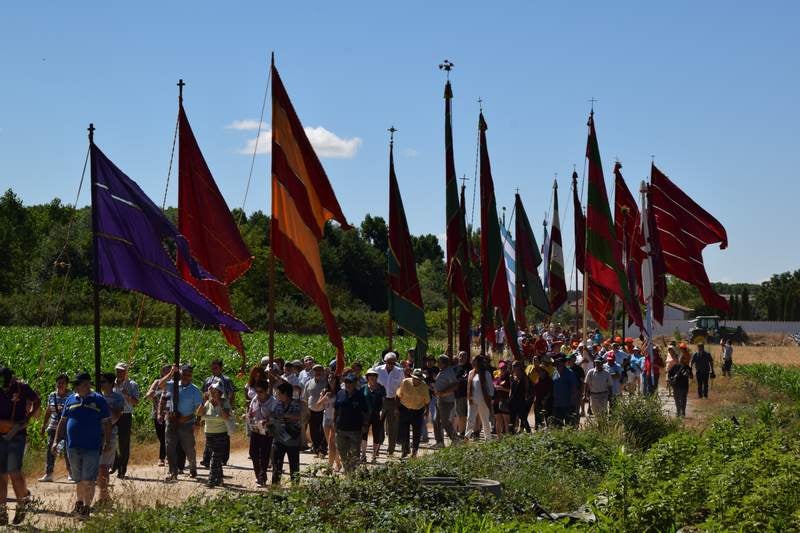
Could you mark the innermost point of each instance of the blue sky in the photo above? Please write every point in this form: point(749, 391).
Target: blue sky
point(710, 88)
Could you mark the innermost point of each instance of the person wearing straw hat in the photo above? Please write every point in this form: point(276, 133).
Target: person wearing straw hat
point(414, 397)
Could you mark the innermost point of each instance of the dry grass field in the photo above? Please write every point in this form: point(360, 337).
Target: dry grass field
point(761, 348)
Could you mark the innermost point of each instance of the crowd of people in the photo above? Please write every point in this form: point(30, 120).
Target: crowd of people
point(289, 407)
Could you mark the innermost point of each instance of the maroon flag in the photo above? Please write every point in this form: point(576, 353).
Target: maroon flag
point(465, 314)
point(493, 268)
point(684, 230)
point(653, 261)
point(580, 226)
point(456, 281)
point(627, 227)
point(207, 223)
point(603, 255)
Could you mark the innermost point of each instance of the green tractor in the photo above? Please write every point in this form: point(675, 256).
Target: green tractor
point(707, 330)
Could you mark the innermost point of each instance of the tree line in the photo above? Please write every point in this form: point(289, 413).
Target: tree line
point(46, 268)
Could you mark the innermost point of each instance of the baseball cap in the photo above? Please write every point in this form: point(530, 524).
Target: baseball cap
point(121, 366)
point(81, 377)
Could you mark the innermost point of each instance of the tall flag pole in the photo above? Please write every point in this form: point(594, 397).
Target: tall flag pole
point(603, 257)
point(456, 283)
point(546, 253)
point(651, 285)
point(580, 241)
point(206, 221)
point(556, 279)
point(528, 259)
point(465, 313)
point(95, 267)
point(685, 229)
point(495, 283)
point(627, 228)
point(303, 201)
point(405, 299)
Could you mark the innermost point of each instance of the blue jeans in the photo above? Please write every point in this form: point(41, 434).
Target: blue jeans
point(11, 452)
point(51, 459)
point(84, 464)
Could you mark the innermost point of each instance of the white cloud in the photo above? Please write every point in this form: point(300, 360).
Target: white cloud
point(245, 125)
point(325, 142)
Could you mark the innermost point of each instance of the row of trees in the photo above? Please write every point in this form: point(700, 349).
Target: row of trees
point(45, 278)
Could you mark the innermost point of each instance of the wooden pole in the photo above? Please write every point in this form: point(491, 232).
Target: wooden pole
point(95, 269)
point(585, 287)
point(271, 296)
point(450, 323)
point(177, 347)
point(271, 289)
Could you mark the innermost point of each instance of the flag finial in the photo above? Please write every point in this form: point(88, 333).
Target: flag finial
point(447, 66)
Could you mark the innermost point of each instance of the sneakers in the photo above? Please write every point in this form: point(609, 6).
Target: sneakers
point(76, 510)
point(47, 478)
point(22, 510)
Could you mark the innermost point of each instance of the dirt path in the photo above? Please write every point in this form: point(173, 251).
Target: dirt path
point(145, 485)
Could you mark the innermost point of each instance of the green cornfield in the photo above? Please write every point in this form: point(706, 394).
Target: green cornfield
point(38, 355)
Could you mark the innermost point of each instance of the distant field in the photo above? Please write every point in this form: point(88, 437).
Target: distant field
point(778, 355)
point(38, 355)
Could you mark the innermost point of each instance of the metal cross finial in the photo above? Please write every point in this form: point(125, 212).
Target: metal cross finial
point(592, 100)
point(652, 159)
point(180, 89)
point(480, 103)
point(391, 134)
point(464, 180)
point(516, 190)
point(91, 132)
point(447, 66)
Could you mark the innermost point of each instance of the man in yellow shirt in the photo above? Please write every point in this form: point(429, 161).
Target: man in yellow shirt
point(414, 398)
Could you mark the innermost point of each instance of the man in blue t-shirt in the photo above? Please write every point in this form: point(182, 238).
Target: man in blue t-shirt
point(565, 394)
point(87, 423)
point(181, 419)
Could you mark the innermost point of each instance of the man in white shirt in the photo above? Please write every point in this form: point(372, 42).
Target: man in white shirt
point(390, 376)
point(307, 373)
point(598, 387)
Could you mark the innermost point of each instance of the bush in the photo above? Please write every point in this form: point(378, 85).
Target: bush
point(559, 469)
point(638, 420)
point(730, 477)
